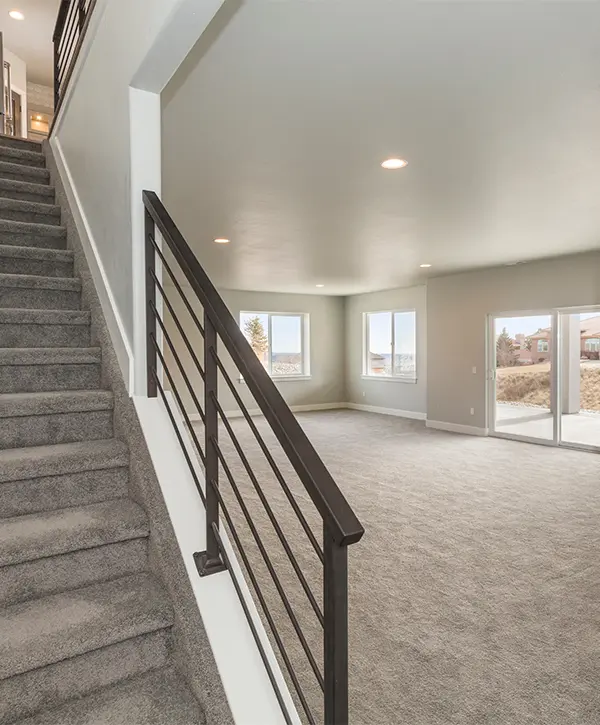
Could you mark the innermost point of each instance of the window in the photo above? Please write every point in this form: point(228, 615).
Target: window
point(279, 340)
point(542, 346)
point(391, 344)
point(593, 345)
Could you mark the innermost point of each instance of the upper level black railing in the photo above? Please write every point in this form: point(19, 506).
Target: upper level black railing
point(193, 364)
point(69, 32)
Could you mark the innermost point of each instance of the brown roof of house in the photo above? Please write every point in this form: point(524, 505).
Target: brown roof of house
point(589, 328)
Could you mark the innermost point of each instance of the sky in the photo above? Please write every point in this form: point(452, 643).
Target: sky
point(287, 331)
point(530, 324)
point(380, 332)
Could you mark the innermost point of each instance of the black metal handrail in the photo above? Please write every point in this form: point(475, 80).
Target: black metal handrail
point(340, 526)
point(69, 31)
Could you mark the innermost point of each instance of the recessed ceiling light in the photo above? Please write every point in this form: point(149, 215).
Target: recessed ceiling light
point(16, 15)
point(425, 266)
point(320, 285)
point(221, 241)
point(394, 163)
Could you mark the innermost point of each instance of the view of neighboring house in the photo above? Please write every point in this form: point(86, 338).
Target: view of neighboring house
point(538, 347)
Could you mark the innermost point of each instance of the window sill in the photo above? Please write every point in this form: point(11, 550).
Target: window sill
point(283, 378)
point(390, 379)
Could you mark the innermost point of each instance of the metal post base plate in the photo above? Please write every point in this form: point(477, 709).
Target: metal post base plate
point(208, 565)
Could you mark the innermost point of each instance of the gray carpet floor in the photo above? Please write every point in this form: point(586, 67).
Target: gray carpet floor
point(475, 592)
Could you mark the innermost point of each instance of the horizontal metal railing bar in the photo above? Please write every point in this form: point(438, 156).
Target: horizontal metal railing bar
point(275, 468)
point(68, 26)
point(179, 326)
point(270, 514)
point(259, 644)
point(269, 564)
point(63, 10)
point(179, 437)
point(322, 489)
point(188, 423)
point(189, 386)
point(183, 296)
point(262, 601)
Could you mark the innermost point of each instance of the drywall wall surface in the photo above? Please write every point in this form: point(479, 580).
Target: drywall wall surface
point(324, 385)
point(94, 135)
point(18, 81)
point(458, 306)
point(403, 396)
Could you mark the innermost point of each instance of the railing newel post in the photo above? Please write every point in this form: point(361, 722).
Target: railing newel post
point(209, 561)
point(150, 265)
point(335, 633)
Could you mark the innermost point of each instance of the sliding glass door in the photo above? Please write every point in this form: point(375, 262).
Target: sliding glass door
point(522, 377)
point(580, 378)
point(544, 377)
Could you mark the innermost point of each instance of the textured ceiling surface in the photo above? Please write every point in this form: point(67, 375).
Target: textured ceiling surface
point(276, 124)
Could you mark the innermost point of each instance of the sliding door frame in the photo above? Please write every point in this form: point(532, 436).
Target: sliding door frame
point(555, 376)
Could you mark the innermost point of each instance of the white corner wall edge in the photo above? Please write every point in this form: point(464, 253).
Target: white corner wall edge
point(412, 414)
point(471, 430)
point(107, 301)
point(249, 692)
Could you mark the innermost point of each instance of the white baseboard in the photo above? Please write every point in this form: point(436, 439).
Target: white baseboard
point(195, 417)
point(107, 301)
point(412, 414)
point(457, 428)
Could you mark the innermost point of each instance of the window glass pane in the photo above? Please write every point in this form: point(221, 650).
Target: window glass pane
point(286, 345)
point(379, 355)
point(255, 327)
point(405, 343)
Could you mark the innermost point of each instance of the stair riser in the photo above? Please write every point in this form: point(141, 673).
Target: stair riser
point(40, 267)
point(15, 215)
point(26, 335)
point(20, 143)
point(29, 240)
point(18, 195)
point(55, 574)
point(39, 299)
point(23, 157)
point(50, 686)
point(24, 173)
point(42, 430)
point(46, 378)
point(50, 493)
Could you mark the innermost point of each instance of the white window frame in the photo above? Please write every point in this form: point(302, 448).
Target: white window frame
point(543, 342)
point(304, 341)
point(589, 347)
point(394, 377)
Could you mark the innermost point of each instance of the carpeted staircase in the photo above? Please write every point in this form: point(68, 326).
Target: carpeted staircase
point(85, 629)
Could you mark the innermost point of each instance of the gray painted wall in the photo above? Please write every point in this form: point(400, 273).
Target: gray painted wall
point(394, 394)
point(457, 307)
point(327, 381)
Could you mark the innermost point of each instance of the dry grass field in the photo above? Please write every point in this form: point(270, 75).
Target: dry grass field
point(530, 385)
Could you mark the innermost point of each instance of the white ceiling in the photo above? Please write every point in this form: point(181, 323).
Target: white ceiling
point(31, 39)
point(275, 127)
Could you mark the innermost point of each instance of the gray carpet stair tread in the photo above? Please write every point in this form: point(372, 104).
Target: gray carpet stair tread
point(34, 281)
point(26, 187)
point(31, 207)
point(22, 156)
point(159, 697)
point(30, 171)
point(53, 255)
point(60, 401)
point(17, 464)
point(50, 629)
point(50, 355)
point(20, 143)
point(8, 226)
point(16, 315)
point(50, 533)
